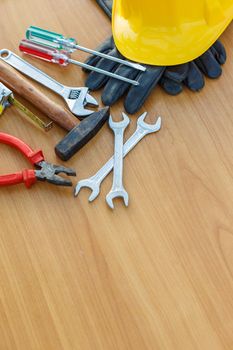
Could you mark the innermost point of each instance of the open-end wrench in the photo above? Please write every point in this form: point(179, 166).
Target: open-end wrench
point(94, 182)
point(76, 97)
point(118, 189)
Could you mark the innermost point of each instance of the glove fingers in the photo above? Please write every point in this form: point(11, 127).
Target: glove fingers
point(195, 79)
point(219, 52)
point(96, 80)
point(108, 44)
point(177, 73)
point(115, 89)
point(170, 86)
point(93, 61)
point(138, 94)
point(208, 65)
point(106, 47)
point(106, 5)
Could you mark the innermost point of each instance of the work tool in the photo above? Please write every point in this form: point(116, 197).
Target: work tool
point(7, 99)
point(76, 97)
point(118, 189)
point(62, 58)
point(17, 83)
point(44, 171)
point(61, 116)
point(94, 182)
point(60, 42)
point(81, 134)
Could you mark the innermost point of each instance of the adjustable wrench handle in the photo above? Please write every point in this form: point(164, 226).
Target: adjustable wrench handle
point(32, 72)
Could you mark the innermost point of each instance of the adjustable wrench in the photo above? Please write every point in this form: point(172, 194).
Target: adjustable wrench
point(94, 182)
point(117, 189)
point(76, 97)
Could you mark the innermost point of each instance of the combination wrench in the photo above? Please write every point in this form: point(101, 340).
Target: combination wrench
point(118, 189)
point(94, 182)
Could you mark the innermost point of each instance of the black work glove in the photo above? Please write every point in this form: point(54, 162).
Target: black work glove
point(192, 74)
point(171, 78)
point(106, 6)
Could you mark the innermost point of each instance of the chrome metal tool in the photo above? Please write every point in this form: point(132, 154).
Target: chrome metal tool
point(94, 182)
point(60, 42)
point(77, 98)
point(118, 189)
point(62, 58)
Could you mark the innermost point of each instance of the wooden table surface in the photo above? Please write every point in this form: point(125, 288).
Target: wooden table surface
point(155, 276)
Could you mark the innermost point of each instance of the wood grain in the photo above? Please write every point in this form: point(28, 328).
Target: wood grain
point(155, 276)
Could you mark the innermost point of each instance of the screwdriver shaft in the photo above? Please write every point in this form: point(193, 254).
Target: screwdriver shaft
point(115, 59)
point(101, 71)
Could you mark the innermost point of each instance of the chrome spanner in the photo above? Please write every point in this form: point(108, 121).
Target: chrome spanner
point(118, 189)
point(94, 182)
point(76, 97)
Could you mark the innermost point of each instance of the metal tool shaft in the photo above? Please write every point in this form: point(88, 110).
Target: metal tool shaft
point(118, 189)
point(102, 71)
point(80, 96)
point(115, 59)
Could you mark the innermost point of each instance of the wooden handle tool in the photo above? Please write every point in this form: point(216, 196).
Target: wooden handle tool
point(17, 83)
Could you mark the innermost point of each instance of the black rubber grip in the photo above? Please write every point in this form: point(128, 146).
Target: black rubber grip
point(81, 134)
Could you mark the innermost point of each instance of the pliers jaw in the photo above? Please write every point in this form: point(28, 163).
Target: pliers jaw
point(44, 171)
point(49, 172)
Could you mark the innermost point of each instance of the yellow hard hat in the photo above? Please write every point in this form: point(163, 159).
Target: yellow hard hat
point(168, 32)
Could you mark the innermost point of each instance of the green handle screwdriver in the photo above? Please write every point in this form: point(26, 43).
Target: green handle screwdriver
point(60, 42)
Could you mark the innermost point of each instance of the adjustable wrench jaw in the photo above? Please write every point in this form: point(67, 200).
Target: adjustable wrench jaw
point(77, 99)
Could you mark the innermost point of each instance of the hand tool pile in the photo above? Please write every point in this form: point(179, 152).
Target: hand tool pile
point(55, 48)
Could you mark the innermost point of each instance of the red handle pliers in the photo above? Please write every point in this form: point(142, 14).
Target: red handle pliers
point(46, 171)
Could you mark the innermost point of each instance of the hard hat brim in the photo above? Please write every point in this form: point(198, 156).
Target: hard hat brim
point(166, 46)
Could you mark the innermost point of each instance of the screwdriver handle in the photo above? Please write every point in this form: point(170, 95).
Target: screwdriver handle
point(45, 53)
point(48, 38)
point(17, 83)
point(60, 42)
point(63, 58)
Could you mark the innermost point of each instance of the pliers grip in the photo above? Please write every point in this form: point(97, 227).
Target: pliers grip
point(44, 171)
point(27, 176)
point(33, 156)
